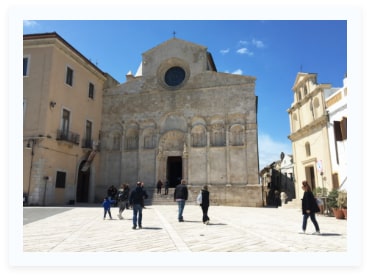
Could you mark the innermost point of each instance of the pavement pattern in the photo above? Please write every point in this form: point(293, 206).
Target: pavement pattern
point(231, 229)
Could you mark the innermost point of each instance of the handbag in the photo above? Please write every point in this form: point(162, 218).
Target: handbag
point(199, 198)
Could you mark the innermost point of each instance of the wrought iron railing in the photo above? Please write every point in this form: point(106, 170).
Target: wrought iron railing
point(68, 136)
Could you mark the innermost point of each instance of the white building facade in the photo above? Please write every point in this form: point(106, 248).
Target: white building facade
point(337, 129)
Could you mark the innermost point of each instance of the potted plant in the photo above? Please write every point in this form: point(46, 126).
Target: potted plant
point(333, 204)
point(342, 202)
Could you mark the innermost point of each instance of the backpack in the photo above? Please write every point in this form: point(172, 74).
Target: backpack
point(199, 198)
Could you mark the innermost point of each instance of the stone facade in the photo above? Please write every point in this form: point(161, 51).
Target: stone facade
point(180, 118)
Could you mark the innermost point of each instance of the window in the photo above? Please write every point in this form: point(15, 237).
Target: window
point(91, 90)
point(88, 132)
point(25, 66)
point(65, 122)
point(69, 76)
point(174, 76)
point(338, 132)
point(299, 95)
point(308, 149)
point(61, 180)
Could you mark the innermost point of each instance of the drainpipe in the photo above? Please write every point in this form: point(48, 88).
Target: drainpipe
point(30, 174)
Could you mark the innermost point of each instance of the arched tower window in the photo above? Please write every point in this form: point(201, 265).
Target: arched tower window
point(308, 149)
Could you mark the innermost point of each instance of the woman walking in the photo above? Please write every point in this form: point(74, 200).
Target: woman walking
point(309, 207)
point(205, 204)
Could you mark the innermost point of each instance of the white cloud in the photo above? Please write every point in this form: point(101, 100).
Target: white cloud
point(29, 23)
point(258, 43)
point(238, 71)
point(224, 51)
point(270, 150)
point(244, 50)
point(243, 42)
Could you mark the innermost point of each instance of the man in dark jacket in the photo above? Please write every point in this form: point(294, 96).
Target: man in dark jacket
point(181, 196)
point(136, 201)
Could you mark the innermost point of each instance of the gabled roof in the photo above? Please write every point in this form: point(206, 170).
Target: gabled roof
point(55, 35)
point(302, 75)
point(175, 40)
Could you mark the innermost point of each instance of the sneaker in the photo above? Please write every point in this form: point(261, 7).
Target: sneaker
point(207, 222)
point(316, 233)
point(134, 227)
point(140, 227)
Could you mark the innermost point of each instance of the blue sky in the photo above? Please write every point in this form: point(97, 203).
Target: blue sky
point(273, 51)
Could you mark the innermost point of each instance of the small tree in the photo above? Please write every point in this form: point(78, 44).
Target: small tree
point(333, 199)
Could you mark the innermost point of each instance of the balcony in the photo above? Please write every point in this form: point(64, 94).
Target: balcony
point(68, 136)
point(87, 143)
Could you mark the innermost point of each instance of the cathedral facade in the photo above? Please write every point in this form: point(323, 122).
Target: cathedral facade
point(178, 118)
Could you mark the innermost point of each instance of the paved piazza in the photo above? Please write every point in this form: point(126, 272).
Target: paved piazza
point(231, 229)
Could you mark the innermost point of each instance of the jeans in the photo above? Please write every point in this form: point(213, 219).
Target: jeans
point(205, 213)
point(107, 211)
point(313, 219)
point(181, 205)
point(138, 214)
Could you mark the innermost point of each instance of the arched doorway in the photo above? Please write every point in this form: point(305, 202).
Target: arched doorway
point(171, 157)
point(83, 182)
point(174, 170)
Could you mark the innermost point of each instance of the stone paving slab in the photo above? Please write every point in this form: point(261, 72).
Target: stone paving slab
point(231, 229)
point(254, 233)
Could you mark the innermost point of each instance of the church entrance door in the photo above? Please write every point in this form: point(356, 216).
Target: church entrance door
point(174, 170)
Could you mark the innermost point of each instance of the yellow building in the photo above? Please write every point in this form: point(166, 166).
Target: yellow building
point(309, 133)
point(62, 108)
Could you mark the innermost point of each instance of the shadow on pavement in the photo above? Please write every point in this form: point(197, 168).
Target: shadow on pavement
point(330, 234)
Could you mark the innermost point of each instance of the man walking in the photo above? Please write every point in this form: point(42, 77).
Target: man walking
point(136, 201)
point(181, 196)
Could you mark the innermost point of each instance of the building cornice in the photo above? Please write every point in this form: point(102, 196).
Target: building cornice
point(320, 122)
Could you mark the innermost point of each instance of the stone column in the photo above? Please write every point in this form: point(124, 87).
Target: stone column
point(185, 156)
point(227, 155)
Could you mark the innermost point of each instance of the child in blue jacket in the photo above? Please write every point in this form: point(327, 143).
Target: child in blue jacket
point(106, 205)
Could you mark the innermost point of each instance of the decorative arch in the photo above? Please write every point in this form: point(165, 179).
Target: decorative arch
point(218, 134)
point(237, 135)
point(132, 136)
point(173, 121)
point(198, 136)
point(172, 141)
